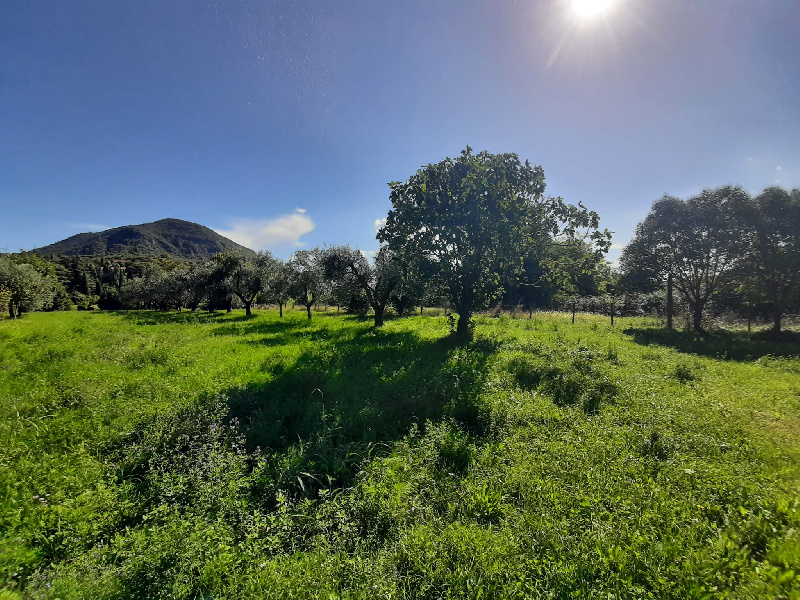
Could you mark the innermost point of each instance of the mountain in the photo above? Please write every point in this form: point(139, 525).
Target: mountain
point(171, 237)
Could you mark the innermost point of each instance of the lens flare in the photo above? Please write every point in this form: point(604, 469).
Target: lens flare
point(589, 8)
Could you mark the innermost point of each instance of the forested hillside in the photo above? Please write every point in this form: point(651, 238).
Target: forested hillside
point(170, 237)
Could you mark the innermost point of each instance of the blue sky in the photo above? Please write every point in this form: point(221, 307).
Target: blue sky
point(280, 123)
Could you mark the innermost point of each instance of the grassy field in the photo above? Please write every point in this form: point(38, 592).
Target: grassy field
point(149, 455)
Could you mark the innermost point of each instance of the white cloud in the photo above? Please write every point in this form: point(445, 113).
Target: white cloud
point(300, 210)
point(379, 223)
point(617, 246)
point(283, 232)
point(779, 168)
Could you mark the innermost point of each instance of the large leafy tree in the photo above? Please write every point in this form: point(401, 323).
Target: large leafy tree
point(377, 280)
point(773, 262)
point(697, 244)
point(474, 218)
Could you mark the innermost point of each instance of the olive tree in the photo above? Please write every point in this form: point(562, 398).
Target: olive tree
point(247, 278)
point(377, 280)
point(307, 283)
point(280, 289)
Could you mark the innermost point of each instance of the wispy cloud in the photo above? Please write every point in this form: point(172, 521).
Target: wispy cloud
point(617, 246)
point(779, 168)
point(379, 223)
point(282, 232)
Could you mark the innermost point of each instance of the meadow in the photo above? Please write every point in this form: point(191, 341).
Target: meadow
point(199, 455)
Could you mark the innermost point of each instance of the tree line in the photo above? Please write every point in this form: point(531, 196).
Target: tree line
point(473, 232)
point(720, 248)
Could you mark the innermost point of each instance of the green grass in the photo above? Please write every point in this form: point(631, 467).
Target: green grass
point(151, 455)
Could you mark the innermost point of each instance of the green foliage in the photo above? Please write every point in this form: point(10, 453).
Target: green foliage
point(307, 281)
point(350, 268)
point(772, 265)
point(698, 241)
point(30, 283)
point(245, 278)
point(473, 219)
point(188, 455)
point(5, 298)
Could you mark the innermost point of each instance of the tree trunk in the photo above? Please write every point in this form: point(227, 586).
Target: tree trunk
point(229, 308)
point(280, 309)
point(776, 319)
point(308, 310)
point(421, 306)
point(378, 315)
point(463, 327)
point(697, 317)
point(247, 312)
point(670, 305)
point(573, 314)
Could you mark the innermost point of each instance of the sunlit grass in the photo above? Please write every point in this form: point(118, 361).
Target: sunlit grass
point(187, 455)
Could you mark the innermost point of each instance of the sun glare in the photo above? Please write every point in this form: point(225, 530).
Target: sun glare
point(589, 8)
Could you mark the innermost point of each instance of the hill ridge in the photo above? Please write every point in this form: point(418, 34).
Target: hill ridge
point(170, 236)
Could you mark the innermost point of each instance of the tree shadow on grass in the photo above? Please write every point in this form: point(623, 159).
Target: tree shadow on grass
point(371, 387)
point(722, 345)
point(321, 416)
point(349, 397)
point(152, 317)
point(254, 326)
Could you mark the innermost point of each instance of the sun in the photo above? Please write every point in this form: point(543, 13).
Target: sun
point(590, 8)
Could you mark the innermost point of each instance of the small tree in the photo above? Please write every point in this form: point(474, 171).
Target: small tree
point(280, 287)
point(248, 278)
point(377, 280)
point(308, 281)
point(30, 290)
point(224, 264)
point(198, 282)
